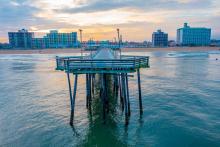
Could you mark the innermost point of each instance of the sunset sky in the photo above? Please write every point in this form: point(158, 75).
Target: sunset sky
point(137, 19)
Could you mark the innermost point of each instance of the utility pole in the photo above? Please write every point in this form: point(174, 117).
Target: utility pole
point(119, 42)
point(91, 48)
point(81, 42)
point(121, 39)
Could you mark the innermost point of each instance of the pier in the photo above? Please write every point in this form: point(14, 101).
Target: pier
point(109, 66)
point(104, 63)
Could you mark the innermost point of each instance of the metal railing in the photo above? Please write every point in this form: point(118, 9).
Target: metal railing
point(76, 63)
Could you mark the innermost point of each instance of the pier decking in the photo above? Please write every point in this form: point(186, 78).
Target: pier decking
point(104, 62)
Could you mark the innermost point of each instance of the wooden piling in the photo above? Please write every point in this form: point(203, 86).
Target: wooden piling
point(115, 88)
point(128, 99)
point(103, 96)
point(74, 92)
point(70, 90)
point(124, 90)
point(106, 93)
point(93, 84)
point(139, 92)
point(73, 97)
point(87, 104)
point(89, 92)
point(120, 91)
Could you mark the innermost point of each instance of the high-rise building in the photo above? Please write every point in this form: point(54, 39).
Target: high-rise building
point(188, 36)
point(56, 40)
point(159, 39)
point(20, 39)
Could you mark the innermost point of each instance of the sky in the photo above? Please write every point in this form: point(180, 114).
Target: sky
point(99, 19)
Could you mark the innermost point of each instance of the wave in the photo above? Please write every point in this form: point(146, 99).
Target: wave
point(187, 54)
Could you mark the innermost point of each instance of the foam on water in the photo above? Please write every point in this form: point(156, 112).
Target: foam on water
point(187, 54)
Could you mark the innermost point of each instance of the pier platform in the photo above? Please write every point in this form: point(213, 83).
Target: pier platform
point(103, 61)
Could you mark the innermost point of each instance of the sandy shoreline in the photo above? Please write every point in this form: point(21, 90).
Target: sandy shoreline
point(59, 51)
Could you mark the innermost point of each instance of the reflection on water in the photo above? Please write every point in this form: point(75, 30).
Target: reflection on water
point(180, 99)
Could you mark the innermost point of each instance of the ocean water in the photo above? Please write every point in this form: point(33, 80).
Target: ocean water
point(181, 100)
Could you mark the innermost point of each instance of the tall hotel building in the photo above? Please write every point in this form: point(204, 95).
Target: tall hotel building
point(188, 36)
point(20, 39)
point(56, 40)
point(159, 39)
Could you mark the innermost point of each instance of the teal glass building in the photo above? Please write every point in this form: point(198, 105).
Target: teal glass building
point(56, 40)
point(188, 36)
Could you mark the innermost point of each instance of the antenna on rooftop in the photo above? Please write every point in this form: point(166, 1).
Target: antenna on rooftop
point(80, 30)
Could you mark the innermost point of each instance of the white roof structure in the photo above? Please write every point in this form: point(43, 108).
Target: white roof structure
point(104, 54)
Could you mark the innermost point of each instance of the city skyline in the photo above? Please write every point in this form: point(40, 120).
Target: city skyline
point(99, 19)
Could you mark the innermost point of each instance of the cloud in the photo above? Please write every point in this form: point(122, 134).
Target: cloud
point(149, 5)
point(14, 12)
point(140, 16)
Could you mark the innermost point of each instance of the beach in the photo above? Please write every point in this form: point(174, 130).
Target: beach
point(77, 50)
